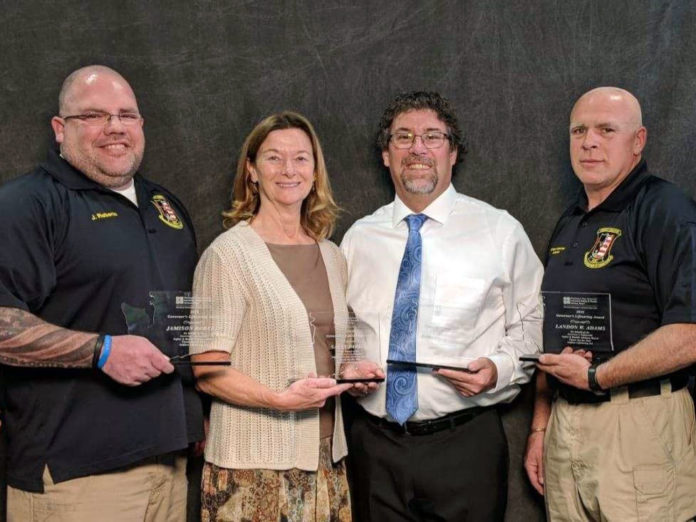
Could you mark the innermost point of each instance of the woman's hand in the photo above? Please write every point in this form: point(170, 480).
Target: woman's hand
point(309, 393)
point(232, 386)
point(362, 370)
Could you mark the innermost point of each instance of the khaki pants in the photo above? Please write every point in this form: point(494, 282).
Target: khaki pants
point(623, 460)
point(154, 490)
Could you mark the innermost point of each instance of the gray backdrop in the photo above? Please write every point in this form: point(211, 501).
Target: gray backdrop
point(206, 71)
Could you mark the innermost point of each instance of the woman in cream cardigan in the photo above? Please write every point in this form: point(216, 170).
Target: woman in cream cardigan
point(268, 294)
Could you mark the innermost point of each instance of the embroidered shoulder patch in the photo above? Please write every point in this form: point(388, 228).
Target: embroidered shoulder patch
point(599, 255)
point(167, 215)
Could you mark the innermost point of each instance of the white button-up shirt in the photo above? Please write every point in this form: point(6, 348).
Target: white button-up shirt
point(479, 296)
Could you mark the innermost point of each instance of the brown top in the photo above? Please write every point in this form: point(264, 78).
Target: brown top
point(304, 268)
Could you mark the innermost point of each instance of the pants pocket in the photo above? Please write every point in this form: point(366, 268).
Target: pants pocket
point(653, 486)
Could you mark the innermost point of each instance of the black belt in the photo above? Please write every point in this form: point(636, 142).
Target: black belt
point(636, 390)
point(427, 427)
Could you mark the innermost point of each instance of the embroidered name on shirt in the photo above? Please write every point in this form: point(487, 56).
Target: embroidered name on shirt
point(600, 254)
point(103, 215)
point(554, 251)
point(166, 212)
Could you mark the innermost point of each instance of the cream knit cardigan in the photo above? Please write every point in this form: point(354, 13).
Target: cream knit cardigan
point(260, 320)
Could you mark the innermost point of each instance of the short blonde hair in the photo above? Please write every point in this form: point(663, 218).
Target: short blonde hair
point(319, 210)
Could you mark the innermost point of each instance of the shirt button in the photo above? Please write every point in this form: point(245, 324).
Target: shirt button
point(151, 230)
point(584, 224)
point(575, 245)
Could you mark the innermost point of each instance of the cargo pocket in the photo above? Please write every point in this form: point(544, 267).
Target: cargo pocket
point(653, 485)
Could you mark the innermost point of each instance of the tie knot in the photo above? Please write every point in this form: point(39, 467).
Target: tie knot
point(415, 221)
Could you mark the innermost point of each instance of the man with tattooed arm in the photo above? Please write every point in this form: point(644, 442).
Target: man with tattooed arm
point(95, 418)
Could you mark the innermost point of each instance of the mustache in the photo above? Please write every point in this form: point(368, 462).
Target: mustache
point(412, 158)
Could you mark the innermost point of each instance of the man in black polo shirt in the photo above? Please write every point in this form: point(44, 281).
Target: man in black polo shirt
point(95, 418)
point(620, 440)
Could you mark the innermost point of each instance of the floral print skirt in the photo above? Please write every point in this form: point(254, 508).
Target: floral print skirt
point(263, 495)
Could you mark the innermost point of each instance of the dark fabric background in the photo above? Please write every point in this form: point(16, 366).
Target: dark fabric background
point(206, 71)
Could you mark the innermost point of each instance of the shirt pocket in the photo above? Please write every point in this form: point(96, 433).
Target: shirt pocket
point(457, 305)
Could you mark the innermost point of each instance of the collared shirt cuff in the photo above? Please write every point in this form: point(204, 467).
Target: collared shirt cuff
point(505, 369)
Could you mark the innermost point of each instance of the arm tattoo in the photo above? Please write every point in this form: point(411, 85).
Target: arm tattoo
point(26, 340)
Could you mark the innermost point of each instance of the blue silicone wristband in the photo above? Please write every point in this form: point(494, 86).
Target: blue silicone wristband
point(106, 351)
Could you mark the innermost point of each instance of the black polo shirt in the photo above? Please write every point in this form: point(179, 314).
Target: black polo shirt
point(639, 245)
point(72, 252)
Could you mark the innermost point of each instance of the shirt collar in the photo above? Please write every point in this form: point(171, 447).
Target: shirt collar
point(621, 195)
point(439, 210)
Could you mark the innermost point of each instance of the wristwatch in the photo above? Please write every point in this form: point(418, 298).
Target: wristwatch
point(592, 378)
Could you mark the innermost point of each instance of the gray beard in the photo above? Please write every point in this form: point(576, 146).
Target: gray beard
point(418, 187)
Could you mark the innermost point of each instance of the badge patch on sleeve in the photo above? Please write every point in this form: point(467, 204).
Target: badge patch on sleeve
point(167, 214)
point(600, 254)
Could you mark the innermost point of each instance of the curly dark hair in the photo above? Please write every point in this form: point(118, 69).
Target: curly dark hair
point(416, 100)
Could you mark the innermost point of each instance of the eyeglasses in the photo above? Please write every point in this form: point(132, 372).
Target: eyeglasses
point(431, 139)
point(97, 118)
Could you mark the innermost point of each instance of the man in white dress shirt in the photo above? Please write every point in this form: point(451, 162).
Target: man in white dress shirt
point(428, 444)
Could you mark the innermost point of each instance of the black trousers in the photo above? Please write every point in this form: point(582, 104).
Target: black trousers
point(458, 474)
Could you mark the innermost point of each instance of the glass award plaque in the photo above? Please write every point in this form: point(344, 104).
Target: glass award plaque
point(581, 320)
point(531, 334)
point(344, 348)
point(442, 338)
point(168, 323)
point(349, 349)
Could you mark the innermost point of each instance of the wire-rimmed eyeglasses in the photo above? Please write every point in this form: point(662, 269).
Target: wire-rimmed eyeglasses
point(431, 139)
point(97, 118)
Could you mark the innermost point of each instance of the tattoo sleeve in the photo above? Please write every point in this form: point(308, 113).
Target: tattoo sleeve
point(26, 340)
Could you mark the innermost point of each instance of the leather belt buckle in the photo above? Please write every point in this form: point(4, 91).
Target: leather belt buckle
point(451, 421)
point(452, 424)
point(428, 427)
point(418, 428)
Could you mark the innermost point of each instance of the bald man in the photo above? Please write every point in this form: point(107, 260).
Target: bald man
point(613, 434)
point(96, 419)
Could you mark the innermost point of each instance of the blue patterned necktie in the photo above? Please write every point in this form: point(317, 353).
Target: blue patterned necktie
point(402, 387)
